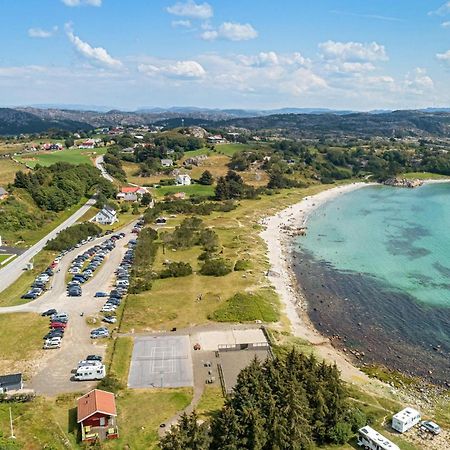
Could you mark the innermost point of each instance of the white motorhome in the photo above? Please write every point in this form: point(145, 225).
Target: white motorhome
point(371, 439)
point(88, 373)
point(405, 419)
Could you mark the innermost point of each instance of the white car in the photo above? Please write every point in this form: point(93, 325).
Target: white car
point(54, 342)
point(84, 363)
point(108, 308)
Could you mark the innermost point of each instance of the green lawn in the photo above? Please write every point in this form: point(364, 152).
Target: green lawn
point(193, 189)
point(4, 257)
point(73, 156)
point(11, 295)
point(425, 176)
point(8, 169)
point(231, 149)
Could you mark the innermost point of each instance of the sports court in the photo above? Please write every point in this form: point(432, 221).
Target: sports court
point(161, 361)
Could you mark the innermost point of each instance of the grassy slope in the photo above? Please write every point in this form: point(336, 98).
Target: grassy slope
point(11, 295)
point(73, 156)
point(424, 176)
point(20, 340)
point(8, 169)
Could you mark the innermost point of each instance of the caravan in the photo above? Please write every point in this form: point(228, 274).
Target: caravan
point(89, 373)
point(370, 439)
point(405, 419)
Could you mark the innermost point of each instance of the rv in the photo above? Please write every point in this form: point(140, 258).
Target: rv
point(405, 419)
point(89, 373)
point(372, 440)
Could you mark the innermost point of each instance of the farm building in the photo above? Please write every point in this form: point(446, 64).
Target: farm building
point(96, 414)
point(167, 162)
point(12, 382)
point(3, 193)
point(106, 216)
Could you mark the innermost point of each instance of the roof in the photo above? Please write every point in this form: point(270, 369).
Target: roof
point(381, 441)
point(96, 401)
point(13, 378)
point(406, 414)
point(129, 189)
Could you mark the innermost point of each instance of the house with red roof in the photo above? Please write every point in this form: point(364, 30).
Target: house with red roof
point(96, 415)
point(131, 193)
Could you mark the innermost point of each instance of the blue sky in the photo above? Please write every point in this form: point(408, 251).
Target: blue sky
point(348, 54)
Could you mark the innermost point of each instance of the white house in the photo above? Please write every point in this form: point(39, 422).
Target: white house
point(106, 216)
point(88, 143)
point(167, 162)
point(183, 179)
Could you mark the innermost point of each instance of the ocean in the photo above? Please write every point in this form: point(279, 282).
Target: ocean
point(375, 269)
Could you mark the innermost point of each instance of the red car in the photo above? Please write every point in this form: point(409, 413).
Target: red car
point(58, 325)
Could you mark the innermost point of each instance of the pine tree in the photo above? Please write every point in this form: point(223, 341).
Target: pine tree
point(225, 430)
point(206, 178)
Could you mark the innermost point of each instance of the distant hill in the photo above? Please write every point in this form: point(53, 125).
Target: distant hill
point(13, 121)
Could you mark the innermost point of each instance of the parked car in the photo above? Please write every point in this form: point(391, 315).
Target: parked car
point(101, 294)
point(58, 325)
point(59, 332)
point(94, 358)
point(49, 312)
point(60, 315)
point(430, 426)
point(99, 334)
point(109, 319)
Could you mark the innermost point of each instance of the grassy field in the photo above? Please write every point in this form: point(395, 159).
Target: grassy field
point(193, 189)
point(425, 176)
point(73, 156)
point(211, 402)
point(4, 257)
point(20, 340)
point(11, 295)
point(121, 358)
point(8, 169)
point(231, 149)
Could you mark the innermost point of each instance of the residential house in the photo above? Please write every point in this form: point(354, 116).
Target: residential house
point(3, 193)
point(96, 415)
point(88, 143)
point(106, 216)
point(127, 150)
point(12, 382)
point(216, 139)
point(131, 193)
point(183, 179)
point(50, 146)
point(167, 162)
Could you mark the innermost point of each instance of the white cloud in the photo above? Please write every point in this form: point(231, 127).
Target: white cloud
point(41, 33)
point(441, 11)
point(272, 58)
point(73, 3)
point(181, 23)
point(353, 51)
point(177, 69)
point(445, 24)
point(94, 54)
point(418, 81)
point(191, 9)
point(231, 31)
point(444, 56)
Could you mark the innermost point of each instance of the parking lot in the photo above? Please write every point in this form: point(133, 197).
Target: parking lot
point(161, 361)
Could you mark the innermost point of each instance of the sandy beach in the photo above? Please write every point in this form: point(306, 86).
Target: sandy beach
point(278, 237)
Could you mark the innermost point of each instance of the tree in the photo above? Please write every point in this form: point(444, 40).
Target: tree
point(146, 199)
point(206, 178)
point(69, 142)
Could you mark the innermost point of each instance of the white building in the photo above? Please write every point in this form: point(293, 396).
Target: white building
point(405, 419)
point(183, 179)
point(106, 216)
point(167, 162)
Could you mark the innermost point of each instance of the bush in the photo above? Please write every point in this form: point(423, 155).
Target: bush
point(244, 307)
point(111, 384)
point(216, 267)
point(176, 269)
point(241, 264)
point(71, 236)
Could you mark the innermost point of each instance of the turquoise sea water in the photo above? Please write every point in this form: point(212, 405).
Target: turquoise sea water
point(399, 236)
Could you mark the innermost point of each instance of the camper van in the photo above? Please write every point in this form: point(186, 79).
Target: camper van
point(405, 419)
point(88, 373)
point(368, 438)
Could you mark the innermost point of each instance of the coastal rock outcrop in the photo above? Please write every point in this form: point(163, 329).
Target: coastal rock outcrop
point(403, 182)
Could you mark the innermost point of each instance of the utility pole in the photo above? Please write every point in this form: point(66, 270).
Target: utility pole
point(11, 424)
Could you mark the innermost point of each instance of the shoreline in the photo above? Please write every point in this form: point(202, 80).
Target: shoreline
point(279, 251)
point(278, 236)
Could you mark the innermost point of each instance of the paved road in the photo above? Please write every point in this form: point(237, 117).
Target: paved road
point(100, 166)
point(15, 268)
point(54, 366)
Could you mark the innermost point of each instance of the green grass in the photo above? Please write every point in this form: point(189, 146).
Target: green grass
point(4, 257)
point(121, 358)
point(246, 307)
point(231, 149)
point(8, 169)
point(20, 340)
point(193, 189)
point(11, 295)
point(210, 403)
point(424, 176)
point(73, 156)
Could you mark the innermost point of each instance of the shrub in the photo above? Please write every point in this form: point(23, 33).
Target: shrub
point(176, 269)
point(71, 236)
point(216, 267)
point(241, 264)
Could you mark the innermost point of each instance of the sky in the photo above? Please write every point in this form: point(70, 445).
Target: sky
point(252, 54)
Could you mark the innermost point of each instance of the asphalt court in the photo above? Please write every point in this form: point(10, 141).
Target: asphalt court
point(161, 361)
